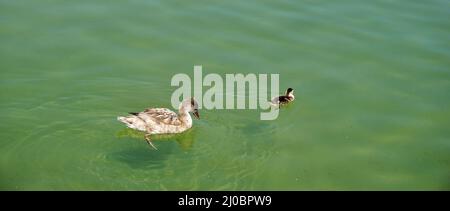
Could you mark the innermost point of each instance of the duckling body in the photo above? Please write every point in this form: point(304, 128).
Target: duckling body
point(287, 98)
point(162, 120)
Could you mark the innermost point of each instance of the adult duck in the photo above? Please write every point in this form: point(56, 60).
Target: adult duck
point(162, 120)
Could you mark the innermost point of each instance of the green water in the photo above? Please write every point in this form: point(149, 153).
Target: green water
point(372, 81)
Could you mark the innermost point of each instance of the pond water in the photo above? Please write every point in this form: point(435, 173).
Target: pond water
point(372, 83)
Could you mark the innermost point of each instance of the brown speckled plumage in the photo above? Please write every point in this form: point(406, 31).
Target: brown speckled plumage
point(162, 120)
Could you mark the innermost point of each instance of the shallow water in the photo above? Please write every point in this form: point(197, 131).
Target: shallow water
point(372, 84)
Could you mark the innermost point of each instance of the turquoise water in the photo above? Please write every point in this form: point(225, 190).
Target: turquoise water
point(372, 85)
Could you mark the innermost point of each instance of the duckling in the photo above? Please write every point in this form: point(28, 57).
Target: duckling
point(162, 120)
point(284, 99)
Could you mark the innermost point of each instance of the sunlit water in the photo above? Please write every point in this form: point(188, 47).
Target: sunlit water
point(372, 84)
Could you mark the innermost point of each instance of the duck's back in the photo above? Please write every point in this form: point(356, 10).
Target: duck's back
point(160, 116)
point(282, 100)
point(156, 121)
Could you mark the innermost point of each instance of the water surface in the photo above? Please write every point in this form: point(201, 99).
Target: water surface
point(372, 83)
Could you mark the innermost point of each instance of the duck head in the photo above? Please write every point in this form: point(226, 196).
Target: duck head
point(194, 108)
point(289, 91)
point(190, 105)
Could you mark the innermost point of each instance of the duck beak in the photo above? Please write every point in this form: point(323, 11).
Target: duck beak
point(196, 114)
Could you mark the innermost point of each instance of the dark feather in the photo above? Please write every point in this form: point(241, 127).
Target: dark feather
point(282, 100)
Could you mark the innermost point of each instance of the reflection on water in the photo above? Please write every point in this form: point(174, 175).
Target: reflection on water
point(141, 158)
point(185, 140)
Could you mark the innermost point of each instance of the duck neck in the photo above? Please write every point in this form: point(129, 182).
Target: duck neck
point(184, 117)
point(290, 95)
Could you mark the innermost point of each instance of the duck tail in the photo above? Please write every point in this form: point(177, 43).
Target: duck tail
point(122, 119)
point(132, 122)
point(126, 121)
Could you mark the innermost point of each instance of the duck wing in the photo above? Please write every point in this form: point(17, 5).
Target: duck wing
point(159, 116)
point(281, 99)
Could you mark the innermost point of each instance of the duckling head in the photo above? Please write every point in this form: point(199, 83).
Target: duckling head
point(289, 91)
point(190, 105)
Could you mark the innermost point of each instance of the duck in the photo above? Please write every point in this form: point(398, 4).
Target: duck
point(162, 120)
point(285, 99)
